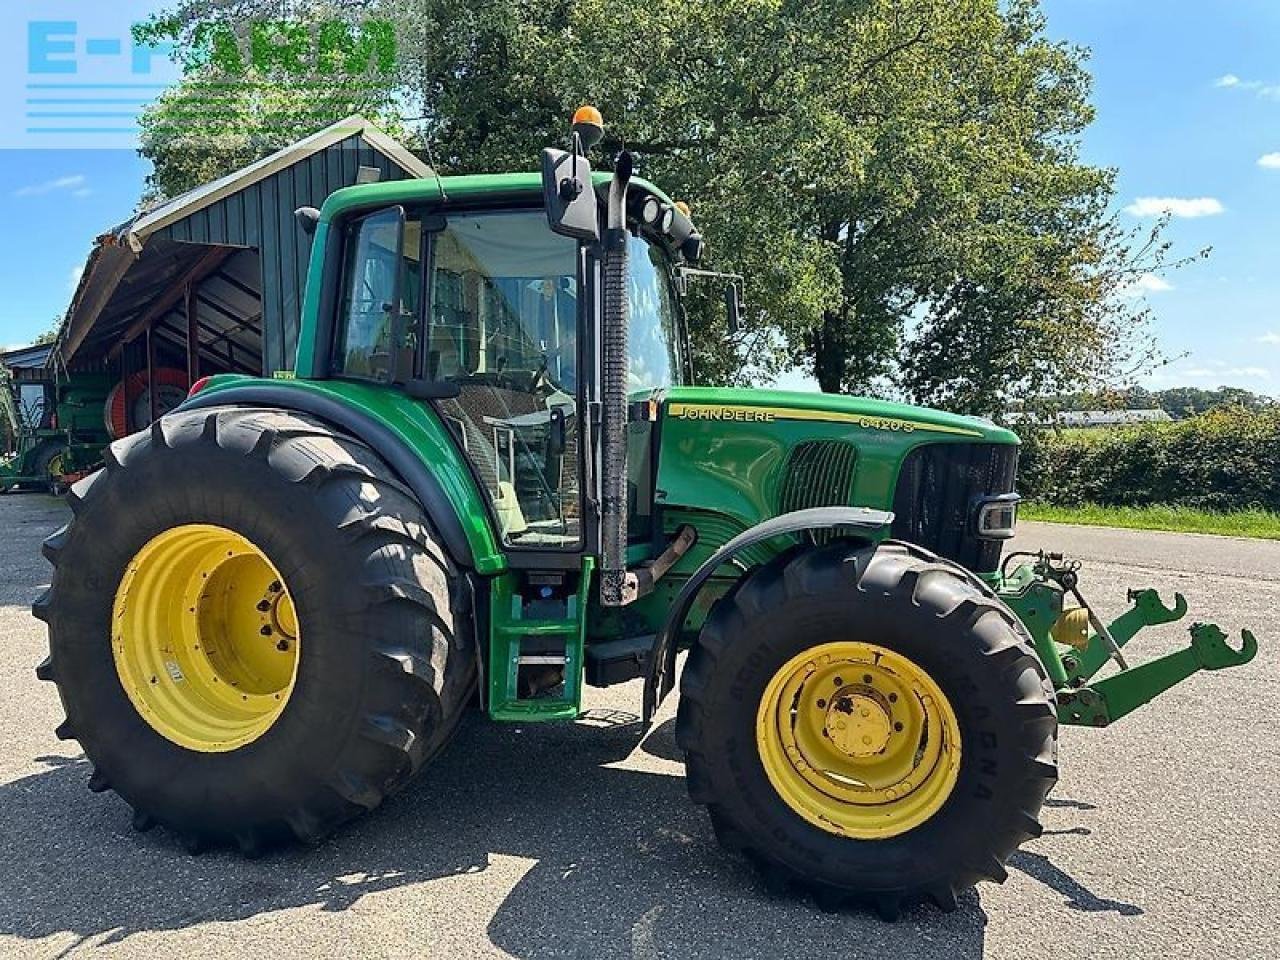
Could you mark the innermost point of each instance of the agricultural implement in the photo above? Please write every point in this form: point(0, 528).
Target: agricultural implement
point(490, 481)
point(55, 424)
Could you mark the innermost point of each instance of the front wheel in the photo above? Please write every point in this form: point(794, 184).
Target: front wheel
point(868, 723)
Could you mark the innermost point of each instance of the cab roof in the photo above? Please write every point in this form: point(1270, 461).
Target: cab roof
point(469, 189)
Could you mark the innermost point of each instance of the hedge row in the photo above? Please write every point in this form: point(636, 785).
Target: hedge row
point(1227, 459)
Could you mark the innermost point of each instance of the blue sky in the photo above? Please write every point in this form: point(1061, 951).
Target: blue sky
point(1188, 99)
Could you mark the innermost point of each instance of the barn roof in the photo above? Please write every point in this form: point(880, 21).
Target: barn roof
point(24, 358)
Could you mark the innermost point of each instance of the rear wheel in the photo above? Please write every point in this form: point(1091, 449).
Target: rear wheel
point(252, 628)
point(868, 724)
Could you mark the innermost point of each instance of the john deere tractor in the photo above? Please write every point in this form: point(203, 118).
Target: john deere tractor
point(490, 481)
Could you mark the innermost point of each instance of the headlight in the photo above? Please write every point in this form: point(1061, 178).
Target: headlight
point(995, 517)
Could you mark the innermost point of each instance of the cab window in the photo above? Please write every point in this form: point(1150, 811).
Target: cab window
point(381, 294)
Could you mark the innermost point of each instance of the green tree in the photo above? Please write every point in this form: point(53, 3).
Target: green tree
point(50, 335)
point(899, 179)
point(237, 104)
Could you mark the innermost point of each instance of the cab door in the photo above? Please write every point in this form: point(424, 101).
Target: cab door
point(502, 331)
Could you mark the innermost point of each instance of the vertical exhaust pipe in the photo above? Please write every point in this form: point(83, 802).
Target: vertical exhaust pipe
point(617, 587)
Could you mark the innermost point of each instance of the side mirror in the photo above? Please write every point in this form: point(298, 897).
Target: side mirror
point(733, 308)
point(308, 219)
point(569, 196)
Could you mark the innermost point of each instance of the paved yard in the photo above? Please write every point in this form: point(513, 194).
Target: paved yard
point(574, 841)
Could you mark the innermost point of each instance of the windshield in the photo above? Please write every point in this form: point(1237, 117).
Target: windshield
point(654, 318)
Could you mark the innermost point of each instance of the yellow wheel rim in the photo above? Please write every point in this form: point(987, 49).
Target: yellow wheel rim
point(858, 740)
point(205, 638)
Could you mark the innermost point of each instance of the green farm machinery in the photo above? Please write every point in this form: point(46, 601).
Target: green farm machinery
point(490, 482)
point(53, 425)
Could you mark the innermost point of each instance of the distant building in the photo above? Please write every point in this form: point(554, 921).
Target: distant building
point(1076, 419)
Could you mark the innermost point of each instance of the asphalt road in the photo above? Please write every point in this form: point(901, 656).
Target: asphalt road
point(575, 841)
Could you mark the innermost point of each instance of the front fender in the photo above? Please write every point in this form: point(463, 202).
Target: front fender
point(661, 668)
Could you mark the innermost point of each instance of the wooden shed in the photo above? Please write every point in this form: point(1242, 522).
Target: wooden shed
point(212, 281)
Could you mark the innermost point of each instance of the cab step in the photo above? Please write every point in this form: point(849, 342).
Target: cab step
point(525, 649)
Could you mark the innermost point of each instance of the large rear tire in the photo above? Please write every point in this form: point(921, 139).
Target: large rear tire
point(868, 724)
point(253, 630)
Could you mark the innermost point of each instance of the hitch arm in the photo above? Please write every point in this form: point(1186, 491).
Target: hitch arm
point(1147, 611)
point(1108, 700)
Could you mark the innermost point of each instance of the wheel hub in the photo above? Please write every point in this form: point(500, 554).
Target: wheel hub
point(205, 638)
point(858, 722)
point(858, 739)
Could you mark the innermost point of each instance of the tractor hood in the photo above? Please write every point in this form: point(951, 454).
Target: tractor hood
point(860, 413)
point(750, 455)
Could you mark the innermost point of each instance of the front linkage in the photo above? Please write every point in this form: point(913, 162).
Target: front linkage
point(1074, 644)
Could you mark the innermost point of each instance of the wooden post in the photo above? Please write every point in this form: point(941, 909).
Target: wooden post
point(193, 337)
point(153, 401)
point(124, 388)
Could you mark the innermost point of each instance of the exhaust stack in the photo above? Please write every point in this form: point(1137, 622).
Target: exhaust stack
point(617, 587)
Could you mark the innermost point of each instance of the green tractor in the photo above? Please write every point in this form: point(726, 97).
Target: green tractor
point(55, 427)
point(491, 481)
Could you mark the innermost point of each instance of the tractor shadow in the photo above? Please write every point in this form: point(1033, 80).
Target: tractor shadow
point(623, 864)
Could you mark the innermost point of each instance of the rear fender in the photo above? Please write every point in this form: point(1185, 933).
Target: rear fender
point(470, 546)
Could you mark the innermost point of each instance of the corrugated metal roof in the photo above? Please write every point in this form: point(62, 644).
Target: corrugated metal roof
point(25, 358)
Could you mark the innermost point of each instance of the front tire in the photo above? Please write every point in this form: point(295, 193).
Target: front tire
point(231, 556)
point(868, 724)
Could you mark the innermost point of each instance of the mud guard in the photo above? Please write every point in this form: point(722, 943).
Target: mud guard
point(661, 667)
point(424, 484)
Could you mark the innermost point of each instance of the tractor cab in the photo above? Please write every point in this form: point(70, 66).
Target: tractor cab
point(490, 322)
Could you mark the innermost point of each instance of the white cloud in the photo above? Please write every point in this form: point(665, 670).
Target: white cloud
point(1230, 81)
point(1270, 161)
point(1177, 206)
point(1246, 373)
point(1150, 283)
point(1269, 337)
point(75, 183)
point(73, 281)
point(1144, 284)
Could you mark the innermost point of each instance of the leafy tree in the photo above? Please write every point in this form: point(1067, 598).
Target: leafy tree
point(1182, 403)
point(50, 335)
point(899, 179)
point(232, 109)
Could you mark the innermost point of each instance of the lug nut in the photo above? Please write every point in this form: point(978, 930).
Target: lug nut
point(265, 631)
point(282, 646)
point(264, 605)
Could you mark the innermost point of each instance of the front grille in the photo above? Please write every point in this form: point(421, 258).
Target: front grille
point(934, 500)
point(818, 473)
